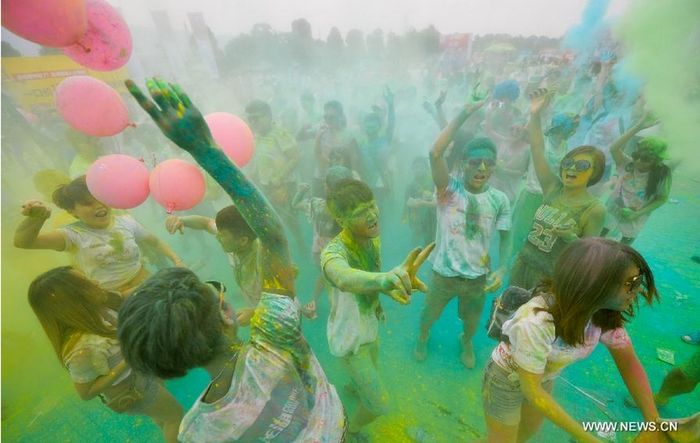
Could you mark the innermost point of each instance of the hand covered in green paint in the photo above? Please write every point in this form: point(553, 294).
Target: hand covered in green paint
point(174, 113)
point(400, 282)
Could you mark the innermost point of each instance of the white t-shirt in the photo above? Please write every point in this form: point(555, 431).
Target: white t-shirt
point(465, 224)
point(535, 348)
point(279, 392)
point(109, 256)
point(352, 321)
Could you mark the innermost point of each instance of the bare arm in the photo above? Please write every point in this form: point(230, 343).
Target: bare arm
point(636, 380)
point(162, 248)
point(547, 179)
point(27, 234)
point(438, 164)
point(391, 115)
point(617, 146)
point(531, 386)
point(173, 223)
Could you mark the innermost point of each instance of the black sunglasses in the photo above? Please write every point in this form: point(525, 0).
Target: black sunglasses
point(578, 165)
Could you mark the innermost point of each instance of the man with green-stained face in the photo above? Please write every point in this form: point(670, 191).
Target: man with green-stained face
point(351, 263)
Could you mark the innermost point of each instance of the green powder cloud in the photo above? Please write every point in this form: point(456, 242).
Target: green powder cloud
point(662, 47)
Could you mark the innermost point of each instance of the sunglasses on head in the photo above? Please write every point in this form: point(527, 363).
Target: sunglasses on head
point(476, 162)
point(577, 165)
point(634, 283)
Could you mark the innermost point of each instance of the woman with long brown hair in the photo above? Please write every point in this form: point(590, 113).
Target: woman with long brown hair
point(80, 320)
point(592, 295)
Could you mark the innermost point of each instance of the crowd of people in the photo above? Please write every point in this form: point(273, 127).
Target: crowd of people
point(549, 171)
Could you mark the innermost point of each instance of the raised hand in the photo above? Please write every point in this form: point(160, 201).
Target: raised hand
point(388, 96)
point(173, 224)
point(173, 112)
point(539, 99)
point(36, 209)
point(441, 98)
point(400, 282)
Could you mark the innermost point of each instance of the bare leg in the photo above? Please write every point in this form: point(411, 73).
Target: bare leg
point(530, 421)
point(497, 432)
point(167, 413)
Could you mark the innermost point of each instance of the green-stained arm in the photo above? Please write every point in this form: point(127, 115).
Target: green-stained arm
point(181, 122)
point(398, 283)
point(438, 164)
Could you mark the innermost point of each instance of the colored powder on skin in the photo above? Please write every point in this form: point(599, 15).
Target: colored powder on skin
point(661, 47)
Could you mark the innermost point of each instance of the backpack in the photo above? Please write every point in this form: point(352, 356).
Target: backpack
point(503, 308)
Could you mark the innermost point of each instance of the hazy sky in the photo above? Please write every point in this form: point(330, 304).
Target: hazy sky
point(540, 17)
point(231, 17)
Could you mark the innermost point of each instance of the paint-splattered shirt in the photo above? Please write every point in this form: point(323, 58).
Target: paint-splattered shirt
point(465, 224)
point(279, 392)
point(535, 348)
point(352, 321)
point(109, 256)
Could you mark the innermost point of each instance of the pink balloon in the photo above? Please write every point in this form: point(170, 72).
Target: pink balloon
point(119, 181)
point(106, 45)
point(233, 135)
point(177, 185)
point(91, 106)
point(53, 23)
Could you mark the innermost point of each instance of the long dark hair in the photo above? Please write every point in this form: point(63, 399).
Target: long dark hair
point(586, 274)
point(68, 304)
point(658, 174)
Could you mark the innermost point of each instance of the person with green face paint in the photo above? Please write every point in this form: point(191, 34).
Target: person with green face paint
point(351, 264)
point(643, 186)
point(468, 214)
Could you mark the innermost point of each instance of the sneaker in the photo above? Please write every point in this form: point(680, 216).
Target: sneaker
point(421, 351)
point(467, 356)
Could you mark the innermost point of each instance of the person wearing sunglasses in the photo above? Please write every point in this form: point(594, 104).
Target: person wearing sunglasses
point(271, 388)
point(643, 186)
point(593, 293)
point(469, 212)
point(568, 211)
point(556, 143)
